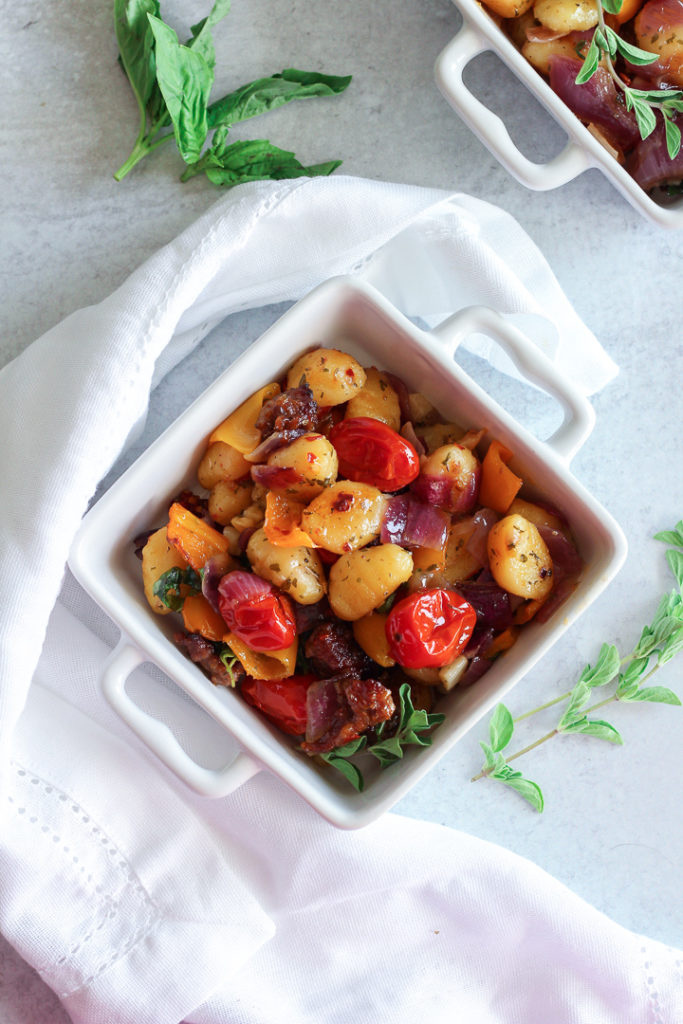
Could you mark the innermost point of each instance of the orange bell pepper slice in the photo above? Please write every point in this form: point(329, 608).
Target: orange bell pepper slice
point(239, 428)
point(499, 485)
point(258, 664)
point(194, 539)
point(282, 522)
point(201, 617)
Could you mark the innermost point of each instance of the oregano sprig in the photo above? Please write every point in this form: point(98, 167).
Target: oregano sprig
point(605, 46)
point(659, 642)
point(413, 729)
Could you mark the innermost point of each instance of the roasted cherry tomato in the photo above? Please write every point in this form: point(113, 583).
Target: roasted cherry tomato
point(370, 452)
point(283, 701)
point(256, 612)
point(430, 628)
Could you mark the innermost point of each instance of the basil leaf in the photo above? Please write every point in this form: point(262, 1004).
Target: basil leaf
point(628, 681)
point(269, 93)
point(258, 159)
point(185, 80)
point(202, 40)
point(136, 46)
point(612, 6)
point(167, 587)
point(501, 728)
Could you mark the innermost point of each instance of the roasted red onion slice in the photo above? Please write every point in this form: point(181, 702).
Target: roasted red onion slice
point(477, 667)
point(650, 163)
point(482, 522)
point(412, 524)
point(408, 432)
point(239, 586)
point(490, 602)
point(442, 492)
point(322, 704)
point(566, 559)
point(402, 393)
point(272, 444)
point(275, 477)
point(595, 102)
point(214, 571)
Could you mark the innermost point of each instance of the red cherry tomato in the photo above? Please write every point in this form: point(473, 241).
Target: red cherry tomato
point(430, 628)
point(256, 612)
point(283, 701)
point(370, 452)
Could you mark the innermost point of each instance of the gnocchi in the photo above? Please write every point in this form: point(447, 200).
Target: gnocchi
point(297, 571)
point(376, 399)
point(346, 516)
point(361, 580)
point(333, 376)
point(519, 558)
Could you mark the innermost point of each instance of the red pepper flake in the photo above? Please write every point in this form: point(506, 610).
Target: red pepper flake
point(343, 502)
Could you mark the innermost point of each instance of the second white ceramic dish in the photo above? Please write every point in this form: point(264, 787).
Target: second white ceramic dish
point(356, 318)
point(480, 33)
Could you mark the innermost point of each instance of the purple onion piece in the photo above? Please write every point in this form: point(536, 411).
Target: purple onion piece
point(402, 393)
point(395, 519)
point(273, 443)
point(408, 432)
point(477, 667)
point(214, 571)
point(595, 102)
point(276, 477)
point(476, 544)
point(322, 704)
point(433, 490)
point(413, 524)
point(566, 558)
point(490, 602)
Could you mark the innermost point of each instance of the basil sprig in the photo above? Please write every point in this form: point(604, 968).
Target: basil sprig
point(659, 642)
point(172, 83)
point(167, 587)
point(605, 46)
point(413, 728)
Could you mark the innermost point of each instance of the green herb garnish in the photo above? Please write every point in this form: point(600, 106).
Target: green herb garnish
point(604, 47)
point(172, 83)
point(412, 730)
point(659, 642)
point(229, 661)
point(167, 587)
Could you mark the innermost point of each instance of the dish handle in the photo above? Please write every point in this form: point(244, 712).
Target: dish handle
point(124, 659)
point(579, 415)
point(489, 128)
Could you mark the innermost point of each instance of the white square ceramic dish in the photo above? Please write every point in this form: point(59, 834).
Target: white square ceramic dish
point(358, 319)
point(480, 33)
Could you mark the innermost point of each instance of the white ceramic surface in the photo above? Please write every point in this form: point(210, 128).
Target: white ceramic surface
point(480, 33)
point(355, 317)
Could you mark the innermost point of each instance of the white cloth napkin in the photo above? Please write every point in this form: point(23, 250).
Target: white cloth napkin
point(139, 902)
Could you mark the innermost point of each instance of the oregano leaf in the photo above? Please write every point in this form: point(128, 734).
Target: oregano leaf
point(675, 560)
point(501, 728)
point(531, 791)
point(657, 695)
point(606, 667)
point(595, 727)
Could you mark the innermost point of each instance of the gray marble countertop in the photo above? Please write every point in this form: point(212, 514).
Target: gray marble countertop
point(612, 829)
